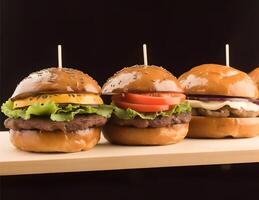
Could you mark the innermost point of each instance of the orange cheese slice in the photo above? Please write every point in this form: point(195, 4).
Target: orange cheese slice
point(59, 98)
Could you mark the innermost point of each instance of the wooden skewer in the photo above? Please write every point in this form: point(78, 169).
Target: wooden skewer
point(59, 56)
point(145, 54)
point(227, 54)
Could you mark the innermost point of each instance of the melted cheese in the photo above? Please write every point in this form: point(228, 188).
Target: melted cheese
point(59, 98)
point(215, 105)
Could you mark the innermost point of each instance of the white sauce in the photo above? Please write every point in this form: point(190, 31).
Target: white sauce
point(215, 105)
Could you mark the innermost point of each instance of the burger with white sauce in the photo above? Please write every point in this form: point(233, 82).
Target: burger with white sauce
point(223, 101)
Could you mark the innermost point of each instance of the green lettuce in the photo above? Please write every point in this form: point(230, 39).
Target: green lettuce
point(131, 114)
point(54, 111)
point(57, 112)
point(66, 115)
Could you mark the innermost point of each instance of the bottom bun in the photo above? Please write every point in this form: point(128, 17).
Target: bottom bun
point(217, 127)
point(55, 141)
point(144, 136)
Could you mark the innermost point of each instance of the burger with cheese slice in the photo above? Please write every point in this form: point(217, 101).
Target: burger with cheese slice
point(56, 110)
point(149, 107)
point(222, 100)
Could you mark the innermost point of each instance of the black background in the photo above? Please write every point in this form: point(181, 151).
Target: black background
point(190, 183)
point(100, 37)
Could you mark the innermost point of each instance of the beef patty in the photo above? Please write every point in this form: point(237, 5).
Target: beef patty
point(225, 111)
point(156, 123)
point(80, 122)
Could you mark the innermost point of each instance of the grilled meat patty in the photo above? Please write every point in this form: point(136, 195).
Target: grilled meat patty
point(156, 123)
point(225, 111)
point(80, 122)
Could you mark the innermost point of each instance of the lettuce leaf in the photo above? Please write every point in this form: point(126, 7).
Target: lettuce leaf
point(57, 112)
point(66, 115)
point(9, 111)
point(131, 114)
point(54, 111)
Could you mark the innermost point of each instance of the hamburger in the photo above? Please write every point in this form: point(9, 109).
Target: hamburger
point(56, 110)
point(149, 107)
point(255, 76)
point(223, 102)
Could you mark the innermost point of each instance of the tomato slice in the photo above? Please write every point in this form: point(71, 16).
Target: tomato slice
point(166, 94)
point(155, 98)
point(122, 103)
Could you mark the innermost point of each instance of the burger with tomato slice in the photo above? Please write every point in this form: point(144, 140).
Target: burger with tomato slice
point(56, 110)
point(149, 107)
point(223, 102)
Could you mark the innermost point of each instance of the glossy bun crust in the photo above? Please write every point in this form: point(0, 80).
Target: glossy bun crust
point(213, 79)
point(55, 80)
point(255, 76)
point(124, 135)
point(219, 127)
point(55, 141)
point(140, 78)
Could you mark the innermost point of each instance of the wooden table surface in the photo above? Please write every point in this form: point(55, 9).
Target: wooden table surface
point(108, 157)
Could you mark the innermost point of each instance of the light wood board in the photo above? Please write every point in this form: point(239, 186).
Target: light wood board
point(109, 157)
